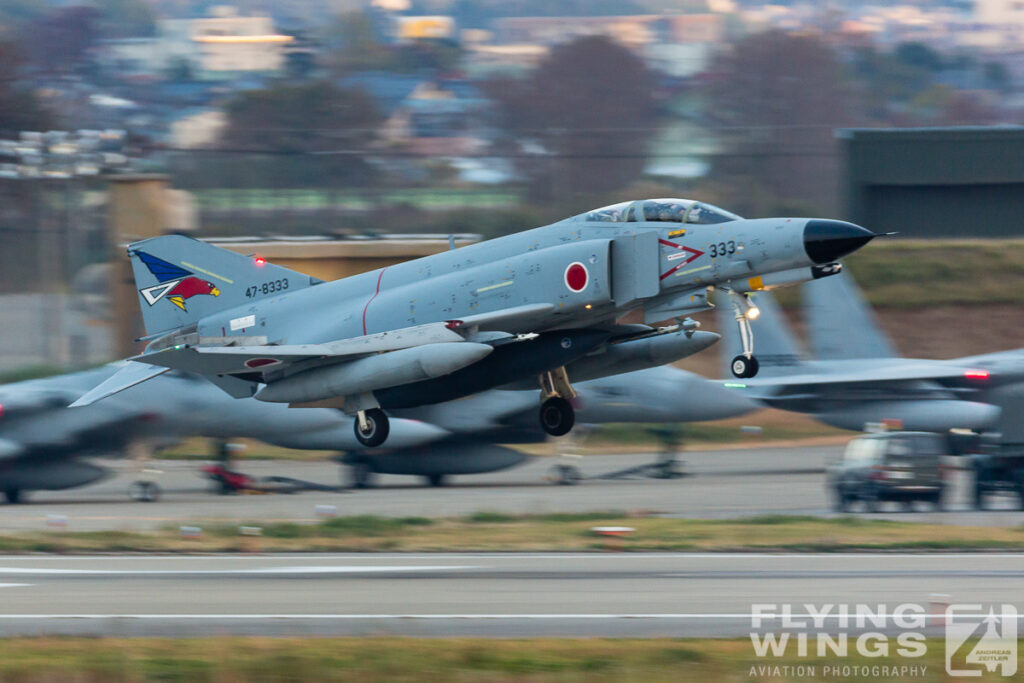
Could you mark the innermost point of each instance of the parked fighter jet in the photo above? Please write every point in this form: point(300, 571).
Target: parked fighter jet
point(857, 377)
point(45, 446)
point(538, 304)
point(479, 434)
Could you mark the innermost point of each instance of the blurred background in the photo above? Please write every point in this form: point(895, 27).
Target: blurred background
point(345, 119)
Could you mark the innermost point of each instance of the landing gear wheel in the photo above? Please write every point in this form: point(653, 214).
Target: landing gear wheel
point(435, 479)
point(557, 416)
point(12, 496)
point(376, 431)
point(744, 367)
point(360, 474)
point(144, 491)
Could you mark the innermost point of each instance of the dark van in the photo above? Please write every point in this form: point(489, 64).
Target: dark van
point(901, 467)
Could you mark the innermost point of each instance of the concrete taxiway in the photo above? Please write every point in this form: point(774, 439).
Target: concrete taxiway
point(723, 483)
point(478, 594)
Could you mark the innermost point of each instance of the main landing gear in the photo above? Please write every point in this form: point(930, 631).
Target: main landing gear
point(744, 365)
point(556, 413)
point(144, 489)
point(371, 427)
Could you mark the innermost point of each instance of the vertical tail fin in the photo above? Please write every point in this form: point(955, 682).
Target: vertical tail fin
point(840, 324)
point(776, 349)
point(181, 280)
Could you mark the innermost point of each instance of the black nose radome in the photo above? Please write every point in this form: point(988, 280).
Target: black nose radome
point(826, 240)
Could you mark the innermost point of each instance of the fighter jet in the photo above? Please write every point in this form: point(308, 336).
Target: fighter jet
point(538, 306)
point(856, 376)
point(44, 445)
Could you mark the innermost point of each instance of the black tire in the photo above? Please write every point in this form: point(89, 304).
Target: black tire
point(841, 502)
point(377, 428)
point(744, 367)
point(360, 474)
point(557, 416)
point(436, 479)
point(12, 496)
point(144, 491)
point(872, 503)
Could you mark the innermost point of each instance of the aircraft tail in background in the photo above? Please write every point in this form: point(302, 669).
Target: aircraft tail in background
point(840, 323)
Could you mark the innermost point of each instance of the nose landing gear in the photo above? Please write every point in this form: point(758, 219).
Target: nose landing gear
point(744, 365)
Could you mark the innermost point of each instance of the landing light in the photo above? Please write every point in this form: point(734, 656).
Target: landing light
point(753, 312)
point(976, 374)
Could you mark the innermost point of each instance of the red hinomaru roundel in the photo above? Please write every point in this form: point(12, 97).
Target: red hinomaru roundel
point(576, 276)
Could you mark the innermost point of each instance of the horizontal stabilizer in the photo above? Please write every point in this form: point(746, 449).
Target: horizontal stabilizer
point(128, 376)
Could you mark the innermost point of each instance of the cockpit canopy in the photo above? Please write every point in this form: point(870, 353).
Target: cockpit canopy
point(660, 210)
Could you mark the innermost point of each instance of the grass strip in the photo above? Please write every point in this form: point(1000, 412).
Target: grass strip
point(497, 531)
point(538, 660)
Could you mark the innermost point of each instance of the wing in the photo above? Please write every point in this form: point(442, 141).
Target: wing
point(22, 401)
point(236, 368)
point(915, 371)
point(869, 381)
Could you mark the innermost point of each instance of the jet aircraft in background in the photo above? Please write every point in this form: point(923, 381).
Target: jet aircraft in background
point(46, 446)
point(857, 377)
point(534, 308)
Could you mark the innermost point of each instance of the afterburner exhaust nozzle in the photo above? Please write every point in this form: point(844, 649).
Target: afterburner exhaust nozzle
point(826, 241)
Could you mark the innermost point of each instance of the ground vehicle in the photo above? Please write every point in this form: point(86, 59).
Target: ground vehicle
point(997, 463)
point(998, 470)
point(901, 467)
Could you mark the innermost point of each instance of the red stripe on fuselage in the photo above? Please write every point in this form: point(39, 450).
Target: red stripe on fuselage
point(367, 306)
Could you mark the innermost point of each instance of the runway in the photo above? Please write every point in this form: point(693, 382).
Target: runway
point(473, 594)
point(723, 484)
